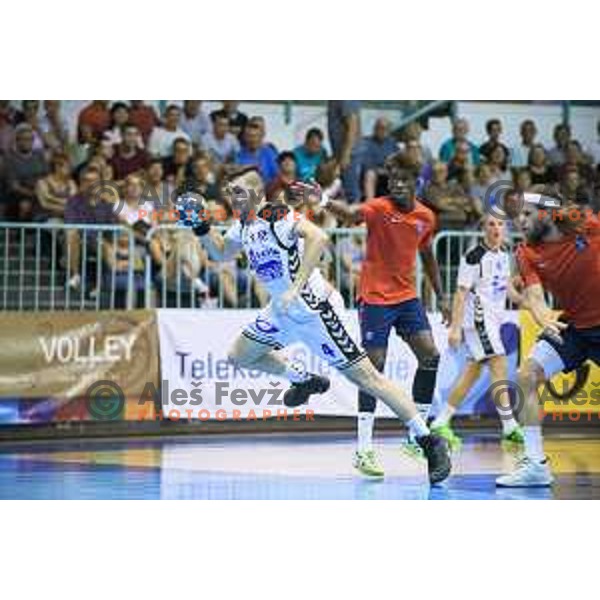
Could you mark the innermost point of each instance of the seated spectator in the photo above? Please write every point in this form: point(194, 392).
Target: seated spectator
point(454, 208)
point(202, 180)
point(134, 207)
point(523, 181)
point(128, 156)
point(494, 130)
point(576, 159)
point(562, 136)
point(412, 133)
point(53, 127)
point(482, 183)
point(287, 175)
point(460, 161)
point(255, 152)
point(219, 142)
point(144, 117)
point(162, 139)
point(56, 188)
point(351, 250)
point(23, 168)
point(195, 122)
point(498, 162)
point(119, 260)
point(177, 166)
point(90, 206)
point(82, 149)
point(310, 154)
point(96, 116)
point(100, 157)
point(520, 153)
point(30, 114)
point(574, 189)
point(375, 149)
point(415, 163)
point(237, 120)
point(119, 117)
point(157, 189)
point(595, 147)
point(541, 172)
point(460, 130)
point(7, 128)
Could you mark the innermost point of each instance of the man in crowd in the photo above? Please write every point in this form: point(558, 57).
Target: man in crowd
point(128, 157)
point(460, 130)
point(494, 130)
point(255, 152)
point(195, 121)
point(520, 154)
point(162, 138)
point(310, 154)
point(219, 142)
point(375, 149)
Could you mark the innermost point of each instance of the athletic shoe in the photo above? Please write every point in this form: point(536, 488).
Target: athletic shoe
point(528, 473)
point(446, 432)
point(515, 438)
point(299, 393)
point(413, 449)
point(366, 463)
point(437, 453)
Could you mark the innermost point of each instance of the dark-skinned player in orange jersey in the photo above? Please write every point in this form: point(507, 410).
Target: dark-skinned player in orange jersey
point(561, 255)
point(399, 227)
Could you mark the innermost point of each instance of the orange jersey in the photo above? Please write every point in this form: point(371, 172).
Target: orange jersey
point(393, 239)
point(570, 270)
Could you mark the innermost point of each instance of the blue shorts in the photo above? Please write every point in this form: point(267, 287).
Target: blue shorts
point(574, 347)
point(376, 321)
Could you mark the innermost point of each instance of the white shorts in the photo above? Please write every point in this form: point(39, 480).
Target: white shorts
point(483, 339)
point(320, 325)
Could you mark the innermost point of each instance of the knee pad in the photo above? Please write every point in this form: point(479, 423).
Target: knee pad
point(424, 382)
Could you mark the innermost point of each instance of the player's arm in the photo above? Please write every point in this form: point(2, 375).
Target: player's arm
point(349, 214)
point(544, 316)
point(220, 247)
point(315, 242)
point(514, 295)
point(458, 315)
point(432, 271)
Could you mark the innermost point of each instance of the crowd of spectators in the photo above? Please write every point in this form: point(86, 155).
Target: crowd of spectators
point(125, 154)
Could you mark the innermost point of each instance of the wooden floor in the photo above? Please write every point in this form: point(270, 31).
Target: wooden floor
point(269, 466)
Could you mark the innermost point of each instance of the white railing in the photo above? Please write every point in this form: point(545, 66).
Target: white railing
point(93, 267)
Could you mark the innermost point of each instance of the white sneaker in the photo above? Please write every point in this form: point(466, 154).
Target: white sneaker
point(528, 473)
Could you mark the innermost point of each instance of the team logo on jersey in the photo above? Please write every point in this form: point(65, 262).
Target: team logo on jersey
point(580, 243)
point(265, 326)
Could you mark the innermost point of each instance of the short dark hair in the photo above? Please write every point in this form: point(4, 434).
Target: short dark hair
point(218, 114)
point(171, 107)
point(116, 106)
point(286, 154)
point(490, 123)
point(314, 132)
point(180, 139)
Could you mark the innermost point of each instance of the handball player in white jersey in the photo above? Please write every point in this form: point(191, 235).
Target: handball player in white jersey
point(283, 251)
point(478, 312)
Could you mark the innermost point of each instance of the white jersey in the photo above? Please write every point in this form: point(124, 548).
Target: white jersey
point(274, 251)
point(485, 273)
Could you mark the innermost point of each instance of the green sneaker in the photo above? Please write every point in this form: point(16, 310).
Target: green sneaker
point(413, 449)
point(366, 463)
point(514, 438)
point(446, 432)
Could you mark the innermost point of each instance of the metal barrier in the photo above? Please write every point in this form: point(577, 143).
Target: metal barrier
point(47, 266)
point(51, 266)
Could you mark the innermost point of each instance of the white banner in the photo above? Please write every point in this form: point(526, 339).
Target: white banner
point(199, 382)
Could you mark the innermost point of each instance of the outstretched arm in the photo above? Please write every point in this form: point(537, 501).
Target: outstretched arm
point(432, 271)
point(349, 214)
point(544, 316)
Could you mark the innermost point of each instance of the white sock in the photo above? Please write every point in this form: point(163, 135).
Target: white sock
point(417, 427)
point(445, 416)
point(366, 420)
point(507, 420)
point(295, 372)
point(534, 443)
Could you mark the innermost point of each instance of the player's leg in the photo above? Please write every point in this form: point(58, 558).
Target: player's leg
point(441, 424)
point(511, 431)
point(375, 325)
point(549, 356)
point(257, 348)
point(367, 378)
